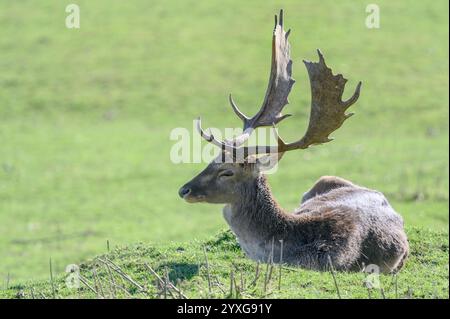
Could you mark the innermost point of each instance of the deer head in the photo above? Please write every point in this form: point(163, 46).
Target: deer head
point(238, 165)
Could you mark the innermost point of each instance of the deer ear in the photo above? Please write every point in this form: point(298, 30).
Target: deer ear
point(268, 163)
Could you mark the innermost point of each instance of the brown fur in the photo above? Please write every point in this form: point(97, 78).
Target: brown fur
point(339, 221)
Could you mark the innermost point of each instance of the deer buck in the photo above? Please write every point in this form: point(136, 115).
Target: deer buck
point(338, 224)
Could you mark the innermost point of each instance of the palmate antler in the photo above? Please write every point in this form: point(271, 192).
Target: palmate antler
point(327, 107)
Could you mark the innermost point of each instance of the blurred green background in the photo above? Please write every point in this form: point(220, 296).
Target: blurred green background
point(85, 114)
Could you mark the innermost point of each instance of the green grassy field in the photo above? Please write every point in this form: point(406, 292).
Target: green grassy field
point(217, 268)
point(85, 118)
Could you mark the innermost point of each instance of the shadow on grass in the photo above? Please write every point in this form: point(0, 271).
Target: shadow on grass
point(180, 271)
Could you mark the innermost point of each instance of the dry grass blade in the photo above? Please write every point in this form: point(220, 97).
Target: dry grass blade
point(219, 284)
point(85, 282)
point(266, 275)
point(97, 282)
point(163, 282)
point(166, 282)
point(334, 276)
point(122, 289)
point(242, 282)
point(111, 282)
point(51, 279)
point(207, 270)
point(8, 278)
point(271, 259)
point(410, 293)
point(382, 293)
point(281, 264)
point(237, 289)
point(253, 283)
point(231, 282)
point(396, 285)
point(180, 295)
point(124, 275)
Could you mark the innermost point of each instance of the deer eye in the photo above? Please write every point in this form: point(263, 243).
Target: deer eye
point(226, 173)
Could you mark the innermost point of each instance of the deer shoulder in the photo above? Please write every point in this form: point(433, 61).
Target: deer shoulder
point(326, 184)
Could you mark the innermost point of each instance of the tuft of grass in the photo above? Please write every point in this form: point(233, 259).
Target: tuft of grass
point(182, 270)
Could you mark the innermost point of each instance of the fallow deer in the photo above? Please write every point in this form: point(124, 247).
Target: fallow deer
point(338, 224)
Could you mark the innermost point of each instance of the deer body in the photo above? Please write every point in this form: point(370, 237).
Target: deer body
point(338, 224)
point(341, 224)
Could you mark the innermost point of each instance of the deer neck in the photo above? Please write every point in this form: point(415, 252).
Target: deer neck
point(255, 213)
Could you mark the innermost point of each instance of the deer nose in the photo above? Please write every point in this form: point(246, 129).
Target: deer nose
point(184, 191)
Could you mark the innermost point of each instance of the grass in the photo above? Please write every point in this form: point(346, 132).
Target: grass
point(217, 268)
point(85, 118)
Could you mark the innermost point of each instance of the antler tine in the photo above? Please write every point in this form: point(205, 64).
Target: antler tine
point(209, 137)
point(232, 149)
point(238, 112)
point(281, 17)
point(352, 100)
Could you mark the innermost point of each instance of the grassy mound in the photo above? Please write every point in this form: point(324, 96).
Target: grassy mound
point(217, 268)
point(86, 115)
